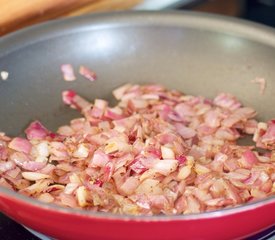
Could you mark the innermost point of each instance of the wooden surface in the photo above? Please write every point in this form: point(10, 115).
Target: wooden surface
point(224, 7)
point(104, 5)
point(16, 14)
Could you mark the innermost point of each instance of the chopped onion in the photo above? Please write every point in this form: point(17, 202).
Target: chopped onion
point(167, 153)
point(166, 166)
point(261, 82)
point(75, 101)
point(185, 132)
point(129, 186)
point(6, 166)
point(184, 172)
point(119, 92)
point(87, 73)
point(250, 158)
point(155, 152)
point(82, 151)
point(36, 131)
point(227, 101)
point(68, 72)
point(70, 188)
point(34, 176)
point(20, 145)
point(81, 195)
point(99, 159)
point(200, 169)
point(33, 166)
point(149, 186)
point(4, 75)
point(46, 197)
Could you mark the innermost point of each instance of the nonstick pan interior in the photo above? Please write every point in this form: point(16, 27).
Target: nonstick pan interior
point(197, 54)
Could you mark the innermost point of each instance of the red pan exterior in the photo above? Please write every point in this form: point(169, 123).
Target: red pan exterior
point(65, 225)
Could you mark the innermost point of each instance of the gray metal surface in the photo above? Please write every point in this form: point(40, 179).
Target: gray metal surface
point(195, 53)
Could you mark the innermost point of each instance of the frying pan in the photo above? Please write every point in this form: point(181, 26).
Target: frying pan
point(198, 54)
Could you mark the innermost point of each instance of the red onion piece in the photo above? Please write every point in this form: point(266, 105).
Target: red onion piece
point(227, 101)
point(264, 135)
point(99, 159)
point(20, 145)
point(155, 152)
point(262, 83)
point(75, 101)
point(68, 72)
point(36, 131)
point(6, 166)
point(184, 131)
point(87, 73)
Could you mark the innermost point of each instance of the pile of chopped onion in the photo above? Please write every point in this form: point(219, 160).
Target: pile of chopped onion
point(156, 152)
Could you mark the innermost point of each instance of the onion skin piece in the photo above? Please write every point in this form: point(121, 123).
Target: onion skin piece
point(36, 131)
point(20, 145)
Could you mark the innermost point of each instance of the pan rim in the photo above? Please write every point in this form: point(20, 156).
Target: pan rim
point(173, 18)
point(111, 216)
